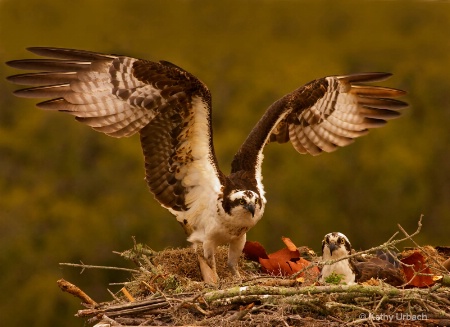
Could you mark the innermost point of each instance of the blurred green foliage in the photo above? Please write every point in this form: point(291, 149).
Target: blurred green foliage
point(68, 193)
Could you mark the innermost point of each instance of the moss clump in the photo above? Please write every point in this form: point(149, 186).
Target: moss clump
point(334, 279)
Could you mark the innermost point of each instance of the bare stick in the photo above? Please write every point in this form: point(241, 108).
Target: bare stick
point(127, 294)
point(70, 288)
point(113, 295)
point(84, 266)
point(241, 313)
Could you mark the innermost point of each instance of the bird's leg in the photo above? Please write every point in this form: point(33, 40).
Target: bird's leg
point(208, 253)
point(234, 252)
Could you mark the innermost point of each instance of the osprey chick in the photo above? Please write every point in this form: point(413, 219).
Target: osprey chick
point(171, 110)
point(336, 246)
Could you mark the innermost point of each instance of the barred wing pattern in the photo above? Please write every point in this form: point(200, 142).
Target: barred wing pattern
point(120, 96)
point(331, 112)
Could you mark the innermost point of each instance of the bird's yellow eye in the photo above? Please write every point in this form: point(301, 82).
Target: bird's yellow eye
point(342, 241)
point(257, 201)
point(241, 201)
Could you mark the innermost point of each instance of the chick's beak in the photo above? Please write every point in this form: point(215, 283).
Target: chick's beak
point(332, 246)
point(251, 207)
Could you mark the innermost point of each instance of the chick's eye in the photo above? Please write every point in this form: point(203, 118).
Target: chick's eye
point(241, 201)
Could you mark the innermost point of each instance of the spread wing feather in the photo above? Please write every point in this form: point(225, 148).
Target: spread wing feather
point(321, 116)
point(120, 96)
point(344, 111)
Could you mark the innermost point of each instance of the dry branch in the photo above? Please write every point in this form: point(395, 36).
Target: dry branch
point(84, 266)
point(130, 308)
point(70, 288)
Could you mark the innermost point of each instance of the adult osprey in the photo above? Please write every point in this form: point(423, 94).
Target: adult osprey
point(171, 110)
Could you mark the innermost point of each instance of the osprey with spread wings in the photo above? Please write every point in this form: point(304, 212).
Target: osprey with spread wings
point(171, 110)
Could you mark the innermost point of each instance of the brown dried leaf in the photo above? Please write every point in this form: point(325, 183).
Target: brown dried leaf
point(419, 265)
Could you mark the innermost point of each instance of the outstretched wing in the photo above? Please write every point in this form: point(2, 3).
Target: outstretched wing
point(322, 115)
point(120, 96)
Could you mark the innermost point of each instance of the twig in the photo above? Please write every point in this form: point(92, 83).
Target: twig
point(149, 287)
point(113, 295)
point(127, 294)
point(384, 298)
point(241, 313)
point(108, 320)
point(70, 288)
point(84, 266)
point(126, 309)
point(330, 304)
point(359, 321)
point(199, 309)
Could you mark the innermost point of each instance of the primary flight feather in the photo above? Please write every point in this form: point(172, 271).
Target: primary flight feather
point(171, 110)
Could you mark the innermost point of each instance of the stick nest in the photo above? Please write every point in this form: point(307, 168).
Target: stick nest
point(167, 289)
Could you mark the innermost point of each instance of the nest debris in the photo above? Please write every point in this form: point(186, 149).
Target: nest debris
point(167, 290)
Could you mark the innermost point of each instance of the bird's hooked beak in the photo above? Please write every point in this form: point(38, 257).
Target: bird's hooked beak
point(332, 246)
point(250, 207)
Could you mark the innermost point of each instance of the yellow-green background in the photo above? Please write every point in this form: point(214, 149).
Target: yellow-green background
point(68, 193)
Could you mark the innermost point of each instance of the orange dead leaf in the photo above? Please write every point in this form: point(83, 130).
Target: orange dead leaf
point(289, 244)
point(420, 266)
point(285, 262)
point(281, 262)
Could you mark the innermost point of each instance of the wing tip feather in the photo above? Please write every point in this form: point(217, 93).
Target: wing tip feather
point(365, 77)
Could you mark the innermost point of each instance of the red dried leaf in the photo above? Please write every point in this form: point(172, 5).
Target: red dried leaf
point(419, 265)
point(254, 250)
